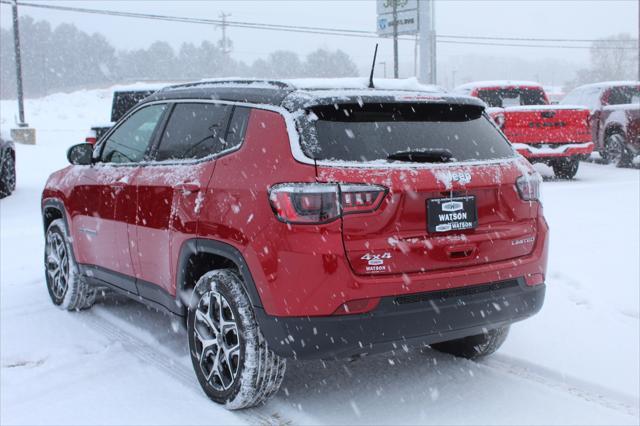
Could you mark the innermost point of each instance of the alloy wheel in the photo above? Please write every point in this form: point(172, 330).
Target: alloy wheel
point(57, 264)
point(615, 148)
point(217, 340)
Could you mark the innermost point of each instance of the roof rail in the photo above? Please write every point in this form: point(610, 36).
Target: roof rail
point(277, 83)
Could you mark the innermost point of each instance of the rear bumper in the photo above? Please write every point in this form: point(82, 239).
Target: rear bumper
point(554, 150)
point(415, 319)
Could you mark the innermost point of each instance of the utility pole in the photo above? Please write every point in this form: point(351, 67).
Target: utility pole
point(384, 64)
point(426, 14)
point(225, 44)
point(415, 57)
point(395, 38)
point(18, 57)
point(23, 133)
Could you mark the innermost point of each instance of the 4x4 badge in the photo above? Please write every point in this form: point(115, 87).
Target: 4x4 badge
point(376, 259)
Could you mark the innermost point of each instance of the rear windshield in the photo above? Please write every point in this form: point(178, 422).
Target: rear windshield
point(372, 132)
point(502, 98)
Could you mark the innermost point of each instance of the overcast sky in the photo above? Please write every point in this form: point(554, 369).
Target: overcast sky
point(554, 18)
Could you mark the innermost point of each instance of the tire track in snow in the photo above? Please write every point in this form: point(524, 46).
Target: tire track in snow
point(587, 391)
point(164, 362)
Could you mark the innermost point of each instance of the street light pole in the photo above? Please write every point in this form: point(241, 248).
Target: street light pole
point(16, 45)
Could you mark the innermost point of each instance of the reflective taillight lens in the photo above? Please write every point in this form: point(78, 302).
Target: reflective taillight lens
point(529, 186)
point(314, 203)
point(361, 198)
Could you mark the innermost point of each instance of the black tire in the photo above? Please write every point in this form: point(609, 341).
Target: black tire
point(247, 372)
point(615, 150)
point(474, 347)
point(7, 175)
point(565, 168)
point(67, 288)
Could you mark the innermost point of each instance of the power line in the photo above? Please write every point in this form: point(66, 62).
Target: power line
point(334, 31)
point(563, 40)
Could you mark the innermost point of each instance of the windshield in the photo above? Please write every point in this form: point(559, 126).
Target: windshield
point(503, 98)
point(371, 132)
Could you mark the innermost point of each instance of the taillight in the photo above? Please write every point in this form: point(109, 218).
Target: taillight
point(361, 198)
point(91, 137)
point(529, 186)
point(314, 203)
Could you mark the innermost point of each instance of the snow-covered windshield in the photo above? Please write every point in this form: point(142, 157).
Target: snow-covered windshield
point(503, 98)
point(372, 132)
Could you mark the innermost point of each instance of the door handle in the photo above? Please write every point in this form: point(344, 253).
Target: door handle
point(188, 188)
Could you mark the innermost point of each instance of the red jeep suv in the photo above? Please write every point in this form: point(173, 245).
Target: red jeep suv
point(285, 220)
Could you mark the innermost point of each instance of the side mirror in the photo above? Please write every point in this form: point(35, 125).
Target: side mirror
point(80, 154)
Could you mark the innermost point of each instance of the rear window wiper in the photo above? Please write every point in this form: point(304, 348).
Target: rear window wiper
point(423, 156)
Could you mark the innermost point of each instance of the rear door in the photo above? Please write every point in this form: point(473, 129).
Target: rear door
point(435, 215)
point(170, 189)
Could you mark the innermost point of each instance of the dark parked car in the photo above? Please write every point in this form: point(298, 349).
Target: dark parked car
point(286, 221)
point(7, 167)
point(123, 101)
point(615, 118)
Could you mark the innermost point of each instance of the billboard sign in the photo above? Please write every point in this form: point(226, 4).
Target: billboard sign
point(406, 14)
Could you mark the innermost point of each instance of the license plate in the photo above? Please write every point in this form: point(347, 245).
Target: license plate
point(451, 214)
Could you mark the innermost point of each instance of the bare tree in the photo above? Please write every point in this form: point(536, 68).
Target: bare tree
point(612, 58)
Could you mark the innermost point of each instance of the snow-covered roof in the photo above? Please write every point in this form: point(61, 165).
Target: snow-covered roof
point(141, 86)
point(409, 84)
point(611, 84)
point(497, 83)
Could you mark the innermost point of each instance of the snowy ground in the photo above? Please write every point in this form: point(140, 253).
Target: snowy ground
point(577, 362)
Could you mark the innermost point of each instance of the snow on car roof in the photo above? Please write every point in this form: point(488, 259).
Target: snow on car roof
point(497, 83)
point(141, 86)
point(611, 84)
point(411, 84)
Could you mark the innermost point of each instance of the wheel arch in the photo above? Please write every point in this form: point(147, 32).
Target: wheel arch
point(53, 209)
point(613, 128)
point(199, 256)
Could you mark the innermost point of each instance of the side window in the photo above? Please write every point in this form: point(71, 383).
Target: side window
point(195, 130)
point(237, 127)
point(129, 142)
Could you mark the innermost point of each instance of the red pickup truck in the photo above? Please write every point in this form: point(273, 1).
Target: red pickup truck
point(557, 135)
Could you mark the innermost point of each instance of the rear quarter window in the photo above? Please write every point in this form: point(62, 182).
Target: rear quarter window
point(373, 132)
point(198, 130)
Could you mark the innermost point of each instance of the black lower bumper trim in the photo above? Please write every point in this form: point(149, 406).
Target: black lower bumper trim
point(418, 319)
